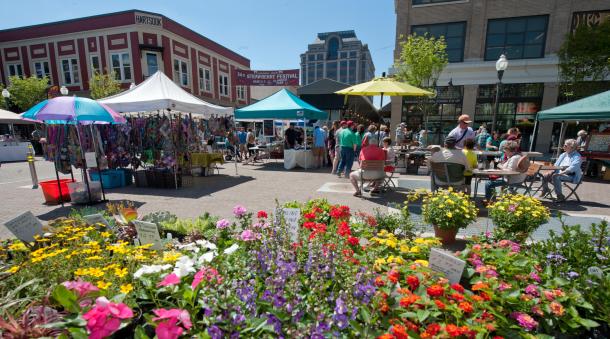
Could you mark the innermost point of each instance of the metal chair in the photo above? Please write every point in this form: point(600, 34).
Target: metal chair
point(447, 174)
point(573, 186)
point(388, 183)
point(533, 175)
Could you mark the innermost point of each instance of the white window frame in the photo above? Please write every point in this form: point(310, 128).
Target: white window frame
point(241, 92)
point(205, 83)
point(71, 70)
point(178, 76)
point(99, 61)
point(43, 62)
point(223, 88)
point(157, 57)
point(14, 66)
point(121, 74)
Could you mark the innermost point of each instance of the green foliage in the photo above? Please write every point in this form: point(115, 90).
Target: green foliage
point(516, 216)
point(422, 59)
point(103, 85)
point(27, 92)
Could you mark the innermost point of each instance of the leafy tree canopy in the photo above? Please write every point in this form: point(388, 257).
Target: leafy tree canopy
point(26, 92)
point(103, 85)
point(422, 59)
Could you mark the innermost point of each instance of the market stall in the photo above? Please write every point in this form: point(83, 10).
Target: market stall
point(11, 147)
point(283, 105)
point(169, 129)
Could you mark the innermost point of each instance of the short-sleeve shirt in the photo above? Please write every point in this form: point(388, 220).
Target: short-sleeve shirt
point(457, 134)
point(318, 137)
point(491, 141)
point(372, 152)
point(471, 157)
point(242, 137)
point(347, 138)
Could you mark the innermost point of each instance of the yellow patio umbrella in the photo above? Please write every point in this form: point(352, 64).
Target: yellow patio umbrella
point(384, 86)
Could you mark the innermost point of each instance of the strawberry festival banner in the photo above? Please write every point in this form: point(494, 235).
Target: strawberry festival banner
point(287, 77)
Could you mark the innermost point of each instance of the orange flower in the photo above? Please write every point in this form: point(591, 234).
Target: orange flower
point(479, 285)
point(466, 306)
point(557, 308)
point(413, 282)
point(453, 330)
point(379, 282)
point(408, 300)
point(400, 332)
point(435, 290)
point(439, 304)
point(393, 276)
point(476, 298)
point(456, 296)
point(385, 336)
point(384, 308)
point(558, 293)
point(485, 296)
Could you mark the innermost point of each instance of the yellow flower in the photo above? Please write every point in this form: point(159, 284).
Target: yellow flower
point(449, 215)
point(106, 234)
point(404, 248)
point(171, 256)
point(102, 285)
point(126, 288)
point(120, 272)
point(414, 249)
point(380, 261)
point(391, 242)
point(95, 257)
point(13, 269)
point(17, 246)
point(424, 263)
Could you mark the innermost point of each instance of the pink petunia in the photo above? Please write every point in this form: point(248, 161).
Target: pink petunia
point(82, 288)
point(169, 329)
point(169, 280)
point(248, 235)
point(105, 318)
point(239, 211)
point(176, 313)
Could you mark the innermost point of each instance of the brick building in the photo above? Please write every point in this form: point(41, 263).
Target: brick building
point(134, 44)
point(529, 32)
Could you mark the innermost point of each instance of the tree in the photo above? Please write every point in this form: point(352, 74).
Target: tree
point(26, 92)
point(584, 58)
point(103, 85)
point(422, 59)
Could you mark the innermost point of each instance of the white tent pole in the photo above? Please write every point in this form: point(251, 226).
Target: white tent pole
point(561, 137)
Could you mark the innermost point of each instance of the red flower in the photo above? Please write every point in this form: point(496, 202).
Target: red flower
point(384, 308)
point(339, 212)
point(413, 282)
point(385, 336)
point(498, 337)
point(439, 304)
point(435, 290)
point(309, 216)
point(343, 229)
point(309, 225)
point(457, 287)
point(393, 276)
point(379, 282)
point(296, 245)
point(400, 332)
point(410, 325)
point(466, 306)
point(408, 300)
point(261, 214)
point(457, 296)
point(353, 241)
point(453, 330)
point(485, 296)
point(433, 329)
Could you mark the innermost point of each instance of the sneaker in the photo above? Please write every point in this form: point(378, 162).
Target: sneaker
point(560, 198)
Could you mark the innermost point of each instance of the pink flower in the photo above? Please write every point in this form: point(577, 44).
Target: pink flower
point(105, 318)
point(82, 288)
point(525, 320)
point(239, 211)
point(512, 208)
point(504, 286)
point(550, 296)
point(174, 313)
point(209, 274)
point(248, 235)
point(532, 290)
point(491, 273)
point(222, 224)
point(168, 329)
point(169, 280)
point(534, 276)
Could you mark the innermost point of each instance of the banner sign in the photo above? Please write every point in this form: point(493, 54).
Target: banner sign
point(287, 77)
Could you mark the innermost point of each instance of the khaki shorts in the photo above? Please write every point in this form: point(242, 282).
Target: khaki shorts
point(243, 148)
point(318, 151)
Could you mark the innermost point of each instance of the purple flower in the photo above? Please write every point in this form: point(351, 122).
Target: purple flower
point(239, 211)
point(238, 319)
point(555, 258)
point(215, 332)
point(532, 289)
point(340, 320)
point(278, 301)
point(248, 235)
point(340, 307)
point(222, 224)
point(275, 322)
point(573, 275)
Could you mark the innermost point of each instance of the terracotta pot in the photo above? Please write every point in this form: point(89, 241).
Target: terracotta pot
point(447, 235)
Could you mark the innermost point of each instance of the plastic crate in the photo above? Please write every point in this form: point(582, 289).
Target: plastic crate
point(110, 178)
point(127, 176)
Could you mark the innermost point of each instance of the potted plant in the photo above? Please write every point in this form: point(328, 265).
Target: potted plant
point(516, 216)
point(448, 211)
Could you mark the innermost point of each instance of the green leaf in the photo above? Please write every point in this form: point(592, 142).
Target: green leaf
point(422, 315)
point(139, 333)
point(366, 316)
point(78, 333)
point(588, 323)
point(65, 298)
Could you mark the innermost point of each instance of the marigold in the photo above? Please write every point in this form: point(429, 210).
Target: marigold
point(408, 300)
point(103, 285)
point(379, 282)
point(457, 287)
point(479, 285)
point(385, 336)
point(435, 290)
point(400, 332)
point(439, 304)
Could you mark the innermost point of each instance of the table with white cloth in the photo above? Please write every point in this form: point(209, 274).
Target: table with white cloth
point(13, 151)
point(302, 158)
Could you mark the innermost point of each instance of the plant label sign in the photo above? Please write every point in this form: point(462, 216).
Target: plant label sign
point(25, 226)
point(292, 216)
point(97, 218)
point(148, 233)
point(596, 271)
point(446, 263)
point(90, 159)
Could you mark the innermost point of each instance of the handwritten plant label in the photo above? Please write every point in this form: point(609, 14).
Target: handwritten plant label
point(97, 218)
point(148, 233)
point(292, 216)
point(90, 159)
point(596, 271)
point(25, 226)
point(446, 263)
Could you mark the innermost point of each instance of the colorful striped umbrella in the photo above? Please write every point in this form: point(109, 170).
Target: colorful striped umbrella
point(72, 110)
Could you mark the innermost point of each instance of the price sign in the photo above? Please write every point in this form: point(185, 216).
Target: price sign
point(148, 233)
point(90, 159)
point(25, 226)
point(446, 263)
point(292, 216)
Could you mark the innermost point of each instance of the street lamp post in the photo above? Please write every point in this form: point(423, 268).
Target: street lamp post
point(501, 66)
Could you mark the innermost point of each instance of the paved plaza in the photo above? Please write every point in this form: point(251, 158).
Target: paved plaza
point(259, 186)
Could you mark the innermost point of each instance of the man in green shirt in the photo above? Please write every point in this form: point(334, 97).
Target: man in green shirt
point(348, 142)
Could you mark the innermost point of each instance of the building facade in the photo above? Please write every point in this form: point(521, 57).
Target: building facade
point(133, 44)
point(530, 34)
point(338, 56)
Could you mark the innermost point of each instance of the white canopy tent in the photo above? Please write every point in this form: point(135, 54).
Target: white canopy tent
point(159, 92)
point(8, 117)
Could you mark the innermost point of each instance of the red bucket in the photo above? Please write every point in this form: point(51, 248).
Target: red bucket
point(51, 191)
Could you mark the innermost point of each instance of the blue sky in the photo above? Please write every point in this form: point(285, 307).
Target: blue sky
point(271, 33)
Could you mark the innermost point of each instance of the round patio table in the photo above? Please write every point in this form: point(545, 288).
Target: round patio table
point(486, 173)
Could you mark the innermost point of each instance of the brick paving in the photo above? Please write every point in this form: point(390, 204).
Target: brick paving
point(258, 187)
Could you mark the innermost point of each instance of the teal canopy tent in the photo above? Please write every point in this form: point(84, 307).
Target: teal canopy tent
point(593, 108)
point(282, 105)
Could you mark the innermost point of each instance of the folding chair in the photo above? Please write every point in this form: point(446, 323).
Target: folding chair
point(447, 174)
point(528, 184)
point(388, 183)
point(370, 171)
point(573, 186)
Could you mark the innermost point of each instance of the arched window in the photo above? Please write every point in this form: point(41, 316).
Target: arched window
point(333, 48)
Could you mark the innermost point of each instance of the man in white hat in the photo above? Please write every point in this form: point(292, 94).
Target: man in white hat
point(463, 131)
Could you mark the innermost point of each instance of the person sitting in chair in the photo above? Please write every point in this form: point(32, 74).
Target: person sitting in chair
point(448, 154)
point(571, 161)
point(369, 152)
point(511, 150)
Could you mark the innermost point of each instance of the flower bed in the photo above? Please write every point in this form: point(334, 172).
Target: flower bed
point(342, 274)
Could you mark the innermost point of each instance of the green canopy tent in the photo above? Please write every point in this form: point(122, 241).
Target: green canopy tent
point(593, 108)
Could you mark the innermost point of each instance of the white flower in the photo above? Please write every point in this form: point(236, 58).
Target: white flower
point(208, 257)
point(206, 244)
point(231, 249)
point(150, 269)
point(184, 266)
point(189, 247)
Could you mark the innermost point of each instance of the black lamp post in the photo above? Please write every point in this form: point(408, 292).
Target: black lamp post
point(501, 66)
